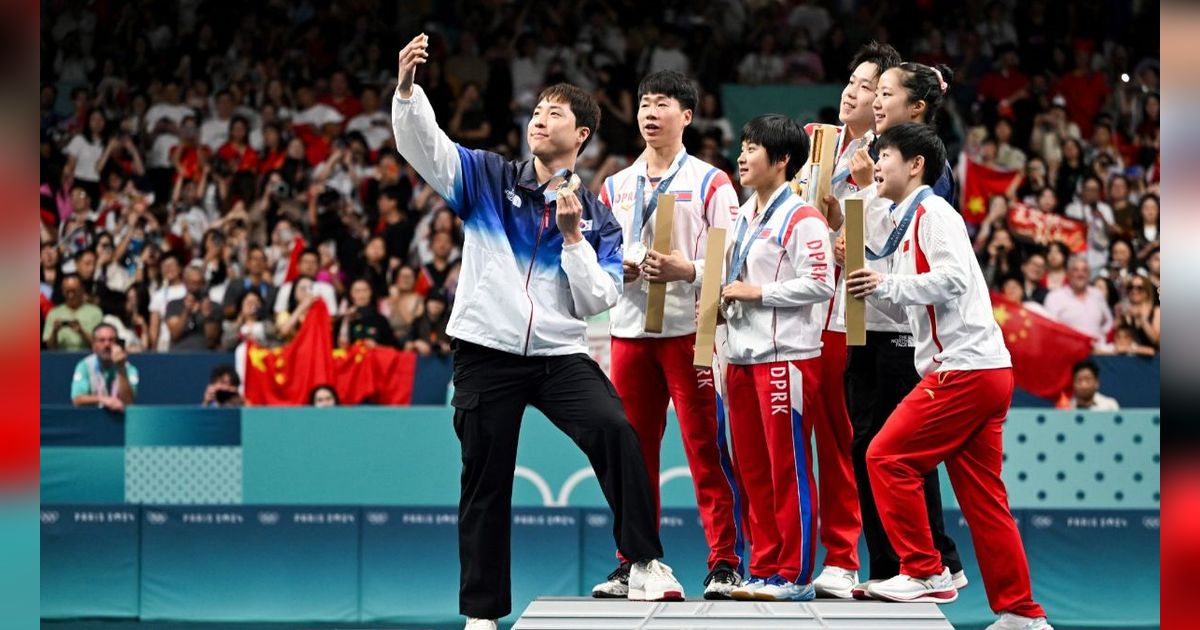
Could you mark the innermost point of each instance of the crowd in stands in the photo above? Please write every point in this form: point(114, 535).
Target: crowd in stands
point(211, 171)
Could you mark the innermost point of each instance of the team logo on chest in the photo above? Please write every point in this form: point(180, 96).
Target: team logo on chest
point(513, 197)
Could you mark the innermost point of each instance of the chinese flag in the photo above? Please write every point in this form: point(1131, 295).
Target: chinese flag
point(379, 375)
point(285, 376)
point(1043, 350)
point(980, 183)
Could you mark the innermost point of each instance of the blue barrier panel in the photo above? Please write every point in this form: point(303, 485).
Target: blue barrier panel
point(237, 563)
point(67, 425)
point(1133, 381)
point(1096, 567)
point(83, 474)
point(410, 561)
point(89, 562)
point(183, 426)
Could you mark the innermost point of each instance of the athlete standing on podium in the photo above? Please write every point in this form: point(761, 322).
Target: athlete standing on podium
point(535, 265)
point(650, 369)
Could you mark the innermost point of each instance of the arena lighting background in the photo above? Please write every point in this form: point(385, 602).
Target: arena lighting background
point(18, 421)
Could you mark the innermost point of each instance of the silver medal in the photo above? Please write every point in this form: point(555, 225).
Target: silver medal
point(635, 253)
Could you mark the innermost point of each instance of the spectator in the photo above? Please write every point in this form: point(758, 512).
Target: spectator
point(1153, 269)
point(712, 118)
point(1033, 275)
point(1146, 234)
point(1120, 262)
point(1087, 389)
point(84, 153)
point(1070, 172)
point(299, 301)
point(255, 279)
point(1008, 156)
point(1034, 181)
point(404, 304)
point(130, 321)
point(223, 388)
point(341, 97)
point(105, 378)
point(249, 324)
point(398, 227)
point(373, 123)
point(170, 290)
point(1098, 216)
point(307, 265)
point(323, 396)
point(441, 273)
point(1125, 213)
point(375, 265)
point(236, 152)
point(194, 321)
point(69, 325)
point(215, 131)
point(1000, 258)
point(762, 66)
point(1141, 312)
point(469, 126)
point(1080, 305)
point(50, 274)
point(1125, 343)
point(361, 321)
point(429, 333)
point(1084, 89)
point(1057, 256)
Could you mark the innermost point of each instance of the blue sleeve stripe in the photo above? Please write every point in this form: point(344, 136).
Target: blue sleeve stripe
point(786, 222)
point(612, 199)
point(704, 184)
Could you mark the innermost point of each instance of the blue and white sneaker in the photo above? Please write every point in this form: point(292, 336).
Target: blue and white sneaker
point(745, 592)
point(780, 589)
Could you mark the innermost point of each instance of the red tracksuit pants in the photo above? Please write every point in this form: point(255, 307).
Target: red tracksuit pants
point(772, 437)
point(955, 417)
point(649, 372)
point(839, 519)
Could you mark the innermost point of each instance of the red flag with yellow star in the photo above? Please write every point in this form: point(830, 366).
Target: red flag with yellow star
point(285, 376)
point(374, 374)
point(981, 183)
point(1043, 350)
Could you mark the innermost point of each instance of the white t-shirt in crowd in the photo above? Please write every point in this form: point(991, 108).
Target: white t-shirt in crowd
point(87, 156)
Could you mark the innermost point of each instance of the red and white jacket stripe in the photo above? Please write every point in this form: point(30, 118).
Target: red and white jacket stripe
point(793, 263)
point(934, 276)
point(704, 198)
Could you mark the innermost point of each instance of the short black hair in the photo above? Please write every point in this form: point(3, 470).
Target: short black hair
point(225, 369)
point(312, 394)
point(913, 139)
point(781, 137)
point(673, 84)
point(882, 55)
point(1086, 364)
point(582, 104)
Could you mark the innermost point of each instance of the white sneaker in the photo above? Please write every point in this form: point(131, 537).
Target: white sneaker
point(836, 582)
point(746, 591)
point(721, 581)
point(960, 579)
point(653, 581)
point(616, 586)
point(780, 589)
point(1009, 621)
point(937, 589)
point(480, 624)
point(862, 589)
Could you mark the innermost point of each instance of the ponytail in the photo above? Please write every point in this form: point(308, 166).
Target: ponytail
point(924, 83)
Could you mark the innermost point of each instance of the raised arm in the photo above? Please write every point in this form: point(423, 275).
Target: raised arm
point(418, 137)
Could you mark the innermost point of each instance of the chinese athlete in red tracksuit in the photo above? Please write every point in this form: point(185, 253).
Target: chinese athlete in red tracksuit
point(774, 345)
point(955, 414)
point(650, 369)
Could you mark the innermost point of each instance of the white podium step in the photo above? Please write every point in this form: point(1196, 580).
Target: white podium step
point(582, 613)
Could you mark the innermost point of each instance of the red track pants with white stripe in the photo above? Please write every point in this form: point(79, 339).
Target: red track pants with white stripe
point(648, 372)
point(956, 417)
point(772, 437)
point(839, 519)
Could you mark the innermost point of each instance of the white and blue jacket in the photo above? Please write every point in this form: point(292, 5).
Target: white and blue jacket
point(520, 289)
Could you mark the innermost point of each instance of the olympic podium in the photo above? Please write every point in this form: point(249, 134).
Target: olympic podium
point(582, 613)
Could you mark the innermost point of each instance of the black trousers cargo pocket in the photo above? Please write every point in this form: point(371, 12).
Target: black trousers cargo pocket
point(466, 420)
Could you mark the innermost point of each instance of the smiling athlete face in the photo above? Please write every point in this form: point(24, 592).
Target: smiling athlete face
point(891, 106)
point(859, 95)
point(552, 131)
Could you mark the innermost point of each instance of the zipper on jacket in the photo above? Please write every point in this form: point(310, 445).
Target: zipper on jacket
point(545, 223)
